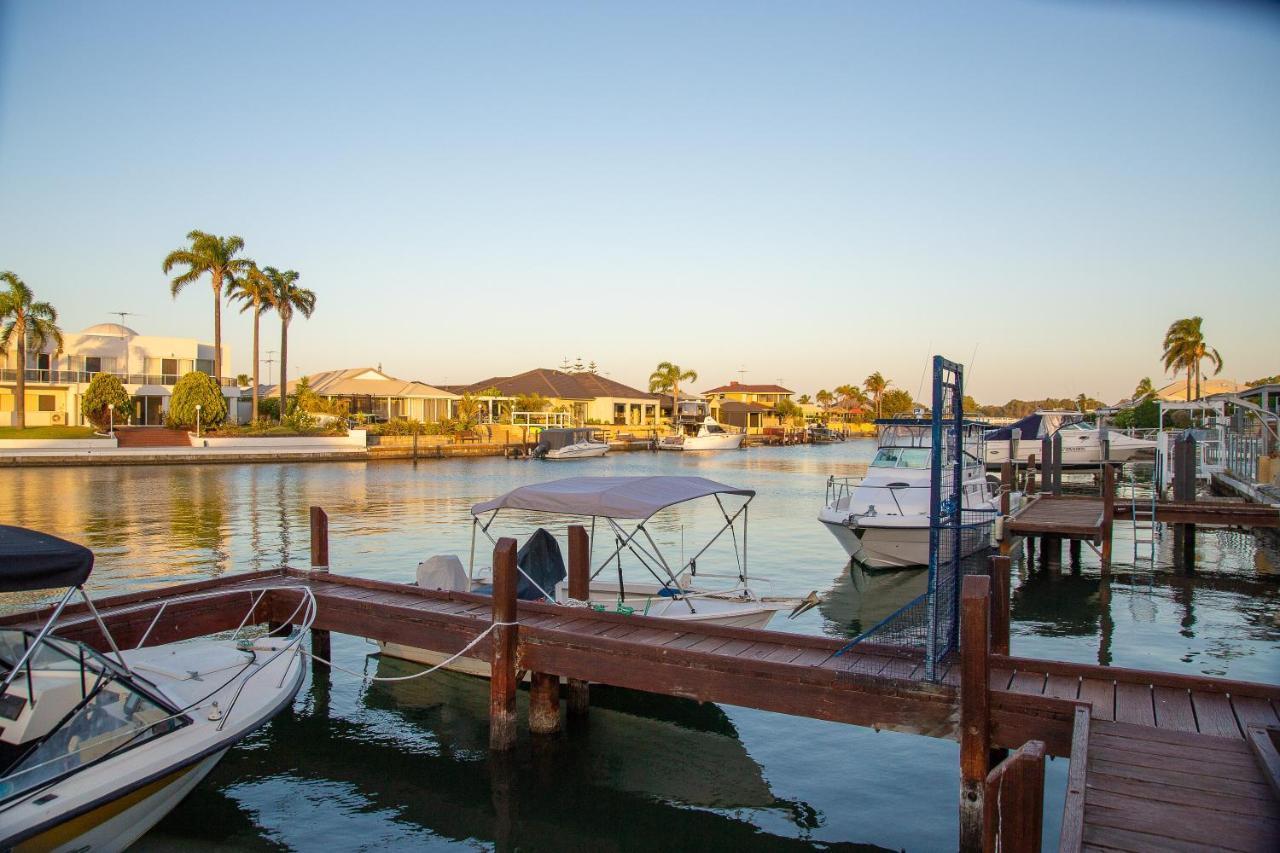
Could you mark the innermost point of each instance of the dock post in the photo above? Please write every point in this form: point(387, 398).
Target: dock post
point(1184, 489)
point(975, 723)
point(1031, 474)
point(1108, 512)
point(1006, 486)
point(1046, 465)
point(502, 681)
point(1057, 464)
point(579, 588)
point(544, 703)
point(999, 569)
point(1073, 546)
point(319, 563)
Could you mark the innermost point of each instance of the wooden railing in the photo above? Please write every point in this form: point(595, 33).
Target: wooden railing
point(1071, 838)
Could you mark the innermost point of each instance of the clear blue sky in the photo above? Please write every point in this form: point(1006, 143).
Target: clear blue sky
point(811, 191)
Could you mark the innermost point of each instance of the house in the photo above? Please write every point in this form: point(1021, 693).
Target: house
point(1176, 391)
point(749, 407)
point(370, 392)
point(148, 366)
point(584, 397)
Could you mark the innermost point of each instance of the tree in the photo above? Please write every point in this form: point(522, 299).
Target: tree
point(825, 398)
point(531, 403)
point(876, 385)
point(306, 399)
point(257, 291)
point(788, 410)
point(1144, 388)
point(197, 389)
point(804, 400)
point(1185, 349)
point(215, 256)
point(896, 402)
point(666, 379)
point(243, 380)
point(288, 299)
point(970, 405)
point(27, 326)
point(105, 390)
point(466, 415)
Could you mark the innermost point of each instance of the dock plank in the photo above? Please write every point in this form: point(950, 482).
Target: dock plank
point(1062, 686)
point(1214, 715)
point(1173, 709)
point(1031, 683)
point(1134, 704)
point(1102, 695)
point(1253, 711)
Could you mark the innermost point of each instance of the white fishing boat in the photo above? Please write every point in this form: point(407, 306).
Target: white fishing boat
point(619, 509)
point(99, 747)
point(575, 443)
point(1082, 443)
point(706, 434)
point(882, 519)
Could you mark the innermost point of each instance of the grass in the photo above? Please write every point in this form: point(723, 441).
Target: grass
point(47, 432)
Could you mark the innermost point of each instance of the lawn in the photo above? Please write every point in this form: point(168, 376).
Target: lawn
point(47, 432)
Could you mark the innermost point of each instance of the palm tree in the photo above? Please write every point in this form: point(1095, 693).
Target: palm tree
point(1185, 348)
point(288, 298)
point(666, 379)
point(258, 292)
point(825, 398)
point(29, 326)
point(876, 385)
point(1145, 389)
point(216, 256)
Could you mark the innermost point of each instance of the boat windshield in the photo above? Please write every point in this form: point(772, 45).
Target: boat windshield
point(901, 457)
point(99, 712)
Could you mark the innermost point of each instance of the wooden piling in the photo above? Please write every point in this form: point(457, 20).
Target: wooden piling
point(999, 570)
point(1014, 821)
point(1056, 464)
point(975, 710)
point(579, 697)
point(320, 645)
point(1031, 474)
point(544, 703)
point(502, 682)
point(1108, 512)
point(1184, 489)
point(1006, 486)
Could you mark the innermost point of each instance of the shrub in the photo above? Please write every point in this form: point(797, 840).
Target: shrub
point(299, 420)
point(269, 408)
point(1145, 415)
point(194, 389)
point(105, 390)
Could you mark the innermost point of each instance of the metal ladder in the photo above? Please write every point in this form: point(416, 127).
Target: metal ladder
point(1142, 513)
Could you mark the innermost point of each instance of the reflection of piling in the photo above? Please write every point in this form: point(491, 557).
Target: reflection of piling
point(319, 563)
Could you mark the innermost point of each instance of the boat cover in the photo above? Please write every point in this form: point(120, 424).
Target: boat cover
point(541, 564)
point(557, 439)
point(1033, 426)
point(609, 497)
point(30, 560)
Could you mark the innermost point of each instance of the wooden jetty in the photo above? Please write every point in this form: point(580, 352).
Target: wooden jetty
point(1108, 720)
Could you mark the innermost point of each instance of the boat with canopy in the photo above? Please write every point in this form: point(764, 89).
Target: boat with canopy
point(620, 512)
point(95, 748)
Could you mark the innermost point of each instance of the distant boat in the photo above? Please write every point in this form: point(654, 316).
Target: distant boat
point(1081, 442)
point(707, 435)
point(569, 444)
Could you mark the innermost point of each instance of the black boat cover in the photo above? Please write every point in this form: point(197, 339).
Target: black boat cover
point(540, 559)
point(33, 560)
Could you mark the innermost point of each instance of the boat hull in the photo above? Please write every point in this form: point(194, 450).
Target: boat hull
point(578, 451)
point(1077, 451)
point(897, 547)
point(725, 441)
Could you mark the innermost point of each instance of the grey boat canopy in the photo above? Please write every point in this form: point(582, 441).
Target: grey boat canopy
point(31, 560)
point(609, 497)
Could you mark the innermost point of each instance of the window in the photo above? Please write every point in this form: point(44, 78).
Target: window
point(205, 365)
point(169, 366)
point(92, 364)
point(42, 361)
point(902, 457)
point(47, 403)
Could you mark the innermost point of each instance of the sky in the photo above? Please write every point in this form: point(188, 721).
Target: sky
point(803, 192)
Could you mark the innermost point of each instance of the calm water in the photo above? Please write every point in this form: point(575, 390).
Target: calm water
point(352, 767)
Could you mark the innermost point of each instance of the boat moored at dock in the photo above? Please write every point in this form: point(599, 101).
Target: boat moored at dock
point(1082, 442)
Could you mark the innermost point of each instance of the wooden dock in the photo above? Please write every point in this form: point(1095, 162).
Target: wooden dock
point(984, 698)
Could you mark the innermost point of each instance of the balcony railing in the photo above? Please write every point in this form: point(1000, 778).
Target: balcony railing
point(66, 377)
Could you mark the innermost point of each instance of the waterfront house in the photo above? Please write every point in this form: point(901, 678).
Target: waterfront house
point(749, 407)
point(1176, 391)
point(369, 392)
point(148, 365)
point(582, 396)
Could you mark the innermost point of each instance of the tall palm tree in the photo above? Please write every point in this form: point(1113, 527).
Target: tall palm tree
point(258, 293)
point(825, 398)
point(876, 385)
point(216, 256)
point(28, 326)
point(666, 379)
point(1145, 389)
point(1185, 348)
point(288, 298)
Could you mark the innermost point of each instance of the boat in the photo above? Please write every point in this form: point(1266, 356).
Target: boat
point(882, 519)
point(620, 510)
point(98, 747)
point(707, 434)
point(819, 433)
point(574, 443)
point(1081, 441)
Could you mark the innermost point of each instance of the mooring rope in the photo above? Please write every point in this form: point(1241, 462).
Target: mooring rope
point(369, 678)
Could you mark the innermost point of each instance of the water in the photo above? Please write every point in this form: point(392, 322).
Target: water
point(352, 767)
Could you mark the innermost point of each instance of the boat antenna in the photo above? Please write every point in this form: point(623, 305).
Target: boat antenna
point(124, 337)
point(924, 368)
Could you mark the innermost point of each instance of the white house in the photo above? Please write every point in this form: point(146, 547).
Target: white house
point(149, 366)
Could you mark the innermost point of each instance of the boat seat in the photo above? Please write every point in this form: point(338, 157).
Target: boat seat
point(443, 572)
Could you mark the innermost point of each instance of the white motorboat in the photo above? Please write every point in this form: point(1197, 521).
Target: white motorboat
point(705, 435)
point(98, 748)
point(1081, 442)
point(670, 590)
point(569, 444)
point(882, 520)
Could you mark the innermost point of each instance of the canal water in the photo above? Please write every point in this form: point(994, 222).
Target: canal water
point(355, 766)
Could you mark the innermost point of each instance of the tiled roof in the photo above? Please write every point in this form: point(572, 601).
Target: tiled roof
point(364, 382)
point(557, 383)
point(739, 388)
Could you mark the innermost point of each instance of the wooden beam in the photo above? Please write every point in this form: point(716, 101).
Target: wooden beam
point(502, 681)
point(320, 641)
point(999, 569)
point(1014, 821)
point(975, 722)
point(1108, 512)
point(579, 696)
point(1071, 836)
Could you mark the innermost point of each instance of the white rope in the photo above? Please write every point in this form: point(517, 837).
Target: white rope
point(468, 647)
